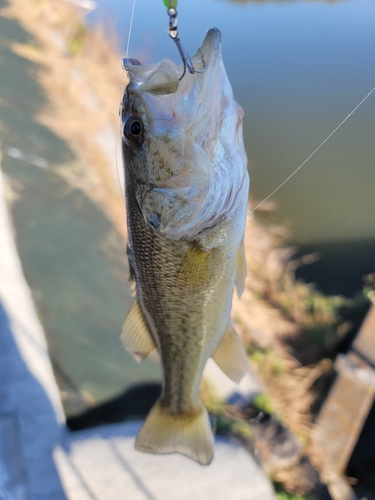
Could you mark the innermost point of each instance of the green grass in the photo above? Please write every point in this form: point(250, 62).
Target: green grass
point(78, 39)
point(224, 425)
point(263, 402)
point(266, 359)
point(284, 495)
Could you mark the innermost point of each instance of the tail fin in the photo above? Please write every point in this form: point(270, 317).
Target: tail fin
point(190, 435)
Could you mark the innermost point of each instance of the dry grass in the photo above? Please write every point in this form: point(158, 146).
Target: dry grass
point(82, 76)
point(264, 328)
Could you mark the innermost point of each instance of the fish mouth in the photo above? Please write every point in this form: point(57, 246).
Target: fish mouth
point(163, 78)
point(164, 100)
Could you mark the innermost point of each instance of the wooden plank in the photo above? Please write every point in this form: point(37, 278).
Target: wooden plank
point(343, 416)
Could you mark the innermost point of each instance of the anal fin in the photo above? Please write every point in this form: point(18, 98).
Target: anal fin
point(241, 270)
point(135, 334)
point(230, 355)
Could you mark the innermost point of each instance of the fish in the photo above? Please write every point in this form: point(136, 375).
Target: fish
point(186, 189)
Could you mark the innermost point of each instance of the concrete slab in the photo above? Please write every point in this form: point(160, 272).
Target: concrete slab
point(102, 463)
point(12, 472)
point(4, 495)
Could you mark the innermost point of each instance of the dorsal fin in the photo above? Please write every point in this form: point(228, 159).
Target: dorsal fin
point(135, 334)
point(230, 355)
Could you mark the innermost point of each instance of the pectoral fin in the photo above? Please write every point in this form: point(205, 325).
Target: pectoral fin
point(135, 334)
point(241, 270)
point(196, 268)
point(230, 355)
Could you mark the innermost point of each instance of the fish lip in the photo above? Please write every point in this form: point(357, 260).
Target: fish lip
point(208, 50)
point(130, 61)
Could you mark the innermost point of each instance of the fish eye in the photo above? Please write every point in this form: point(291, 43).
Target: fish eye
point(135, 128)
point(132, 131)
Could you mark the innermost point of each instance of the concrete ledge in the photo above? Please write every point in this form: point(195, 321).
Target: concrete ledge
point(31, 414)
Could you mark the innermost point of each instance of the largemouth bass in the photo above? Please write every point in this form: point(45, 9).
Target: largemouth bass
point(186, 197)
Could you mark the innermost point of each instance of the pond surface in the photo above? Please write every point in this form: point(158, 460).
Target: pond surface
point(298, 68)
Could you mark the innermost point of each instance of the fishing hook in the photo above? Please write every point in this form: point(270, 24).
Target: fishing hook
point(186, 59)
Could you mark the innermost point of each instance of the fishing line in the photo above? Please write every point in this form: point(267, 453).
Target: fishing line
point(122, 93)
point(312, 154)
point(130, 28)
point(117, 148)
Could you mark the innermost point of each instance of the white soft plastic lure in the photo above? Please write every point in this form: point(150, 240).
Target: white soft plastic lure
point(186, 194)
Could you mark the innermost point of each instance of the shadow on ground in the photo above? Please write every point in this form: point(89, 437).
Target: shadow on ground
point(135, 403)
point(29, 430)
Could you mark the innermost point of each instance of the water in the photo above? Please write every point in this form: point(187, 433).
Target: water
point(73, 259)
point(297, 68)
